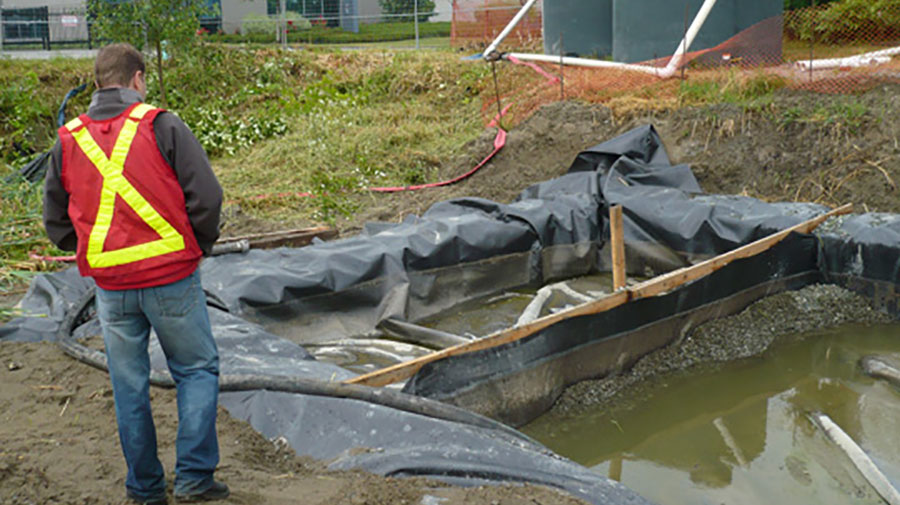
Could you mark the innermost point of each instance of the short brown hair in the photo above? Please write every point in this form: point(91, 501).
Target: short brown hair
point(116, 65)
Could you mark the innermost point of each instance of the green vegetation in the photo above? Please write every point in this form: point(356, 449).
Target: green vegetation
point(790, 5)
point(849, 113)
point(168, 26)
point(396, 7)
point(750, 92)
point(847, 21)
point(256, 24)
point(30, 94)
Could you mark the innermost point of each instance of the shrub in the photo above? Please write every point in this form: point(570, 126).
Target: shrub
point(425, 9)
point(847, 21)
point(260, 24)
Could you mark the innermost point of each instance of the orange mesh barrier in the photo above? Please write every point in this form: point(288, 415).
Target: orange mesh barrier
point(772, 53)
point(476, 23)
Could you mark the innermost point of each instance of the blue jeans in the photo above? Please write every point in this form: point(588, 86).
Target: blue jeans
point(177, 312)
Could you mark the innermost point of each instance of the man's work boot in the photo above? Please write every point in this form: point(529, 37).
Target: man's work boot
point(218, 491)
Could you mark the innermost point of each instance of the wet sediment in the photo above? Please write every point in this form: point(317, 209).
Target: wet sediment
point(744, 335)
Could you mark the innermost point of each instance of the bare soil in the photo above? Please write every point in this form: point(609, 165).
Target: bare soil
point(57, 426)
point(60, 446)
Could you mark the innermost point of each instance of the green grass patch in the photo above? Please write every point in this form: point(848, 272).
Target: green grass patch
point(392, 124)
point(751, 91)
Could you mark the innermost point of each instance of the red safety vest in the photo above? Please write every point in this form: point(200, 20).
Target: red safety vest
point(125, 202)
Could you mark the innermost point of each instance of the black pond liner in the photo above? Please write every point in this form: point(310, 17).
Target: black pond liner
point(265, 304)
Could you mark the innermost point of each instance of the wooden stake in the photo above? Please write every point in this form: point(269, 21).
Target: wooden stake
point(652, 287)
point(617, 244)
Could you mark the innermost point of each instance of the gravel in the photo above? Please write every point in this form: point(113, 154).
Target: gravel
point(749, 333)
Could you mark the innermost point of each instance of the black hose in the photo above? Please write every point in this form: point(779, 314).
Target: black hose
point(300, 385)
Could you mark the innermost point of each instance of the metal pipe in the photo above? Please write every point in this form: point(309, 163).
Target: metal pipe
point(416, 20)
point(509, 27)
point(284, 24)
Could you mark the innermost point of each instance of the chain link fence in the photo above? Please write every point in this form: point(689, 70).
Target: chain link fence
point(44, 27)
point(54, 26)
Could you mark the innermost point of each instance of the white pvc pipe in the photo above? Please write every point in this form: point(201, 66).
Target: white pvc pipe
point(666, 72)
point(509, 27)
point(859, 458)
point(587, 62)
point(872, 58)
point(688, 39)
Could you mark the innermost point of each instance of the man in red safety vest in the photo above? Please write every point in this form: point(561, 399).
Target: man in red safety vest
point(131, 190)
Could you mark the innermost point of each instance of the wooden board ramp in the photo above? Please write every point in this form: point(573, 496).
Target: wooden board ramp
point(648, 288)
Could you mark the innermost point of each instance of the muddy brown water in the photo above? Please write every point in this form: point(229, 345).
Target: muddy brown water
point(738, 433)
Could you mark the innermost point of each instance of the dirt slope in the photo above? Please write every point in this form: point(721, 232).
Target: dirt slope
point(829, 149)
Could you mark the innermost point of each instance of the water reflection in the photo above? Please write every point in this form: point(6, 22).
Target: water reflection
point(741, 435)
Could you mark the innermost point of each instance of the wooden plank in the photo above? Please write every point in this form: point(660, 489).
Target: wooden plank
point(296, 237)
point(675, 278)
point(652, 287)
point(617, 245)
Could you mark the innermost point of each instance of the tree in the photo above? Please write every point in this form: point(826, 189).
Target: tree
point(790, 5)
point(393, 7)
point(164, 27)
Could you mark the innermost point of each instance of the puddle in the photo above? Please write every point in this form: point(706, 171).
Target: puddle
point(739, 433)
point(487, 315)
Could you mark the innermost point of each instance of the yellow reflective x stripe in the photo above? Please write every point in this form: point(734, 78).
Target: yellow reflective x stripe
point(114, 183)
point(140, 111)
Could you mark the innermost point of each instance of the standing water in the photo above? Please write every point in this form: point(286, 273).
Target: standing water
point(739, 433)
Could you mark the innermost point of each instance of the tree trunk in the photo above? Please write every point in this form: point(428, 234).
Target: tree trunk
point(159, 74)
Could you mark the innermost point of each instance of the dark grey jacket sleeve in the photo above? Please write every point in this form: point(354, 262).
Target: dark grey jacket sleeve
point(56, 204)
point(202, 192)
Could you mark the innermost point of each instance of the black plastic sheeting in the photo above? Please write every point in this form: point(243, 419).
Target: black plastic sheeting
point(668, 224)
point(267, 304)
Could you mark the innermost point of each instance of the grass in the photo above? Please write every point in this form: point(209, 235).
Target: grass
point(390, 125)
point(750, 90)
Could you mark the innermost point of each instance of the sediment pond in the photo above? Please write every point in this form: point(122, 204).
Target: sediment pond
point(739, 432)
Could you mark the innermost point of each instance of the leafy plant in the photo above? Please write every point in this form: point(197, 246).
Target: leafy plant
point(164, 27)
point(790, 5)
point(23, 124)
point(846, 21)
point(259, 24)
